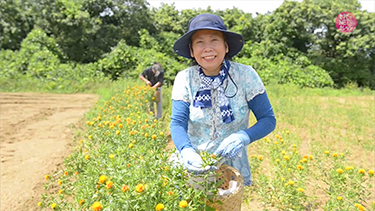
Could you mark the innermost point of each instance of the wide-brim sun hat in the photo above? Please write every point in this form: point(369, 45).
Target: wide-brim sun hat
point(211, 22)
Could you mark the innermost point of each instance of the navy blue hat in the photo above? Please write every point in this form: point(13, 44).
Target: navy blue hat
point(212, 22)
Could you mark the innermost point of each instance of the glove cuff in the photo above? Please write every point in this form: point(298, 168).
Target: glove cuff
point(244, 137)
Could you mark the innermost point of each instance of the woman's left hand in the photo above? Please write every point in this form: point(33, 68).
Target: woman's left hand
point(231, 146)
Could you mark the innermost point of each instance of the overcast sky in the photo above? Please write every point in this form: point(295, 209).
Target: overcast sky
point(248, 6)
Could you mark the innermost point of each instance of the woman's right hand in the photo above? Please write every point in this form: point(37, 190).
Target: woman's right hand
point(193, 161)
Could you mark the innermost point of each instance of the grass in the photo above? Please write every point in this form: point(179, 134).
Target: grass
point(314, 120)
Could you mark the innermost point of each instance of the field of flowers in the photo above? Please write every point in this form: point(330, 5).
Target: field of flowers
point(122, 164)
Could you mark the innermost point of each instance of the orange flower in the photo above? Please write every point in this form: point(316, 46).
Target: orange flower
point(46, 177)
point(87, 157)
point(260, 157)
point(125, 188)
point(361, 171)
point(76, 172)
point(299, 167)
point(286, 157)
point(109, 185)
point(66, 173)
point(96, 206)
point(81, 202)
point(170, 193)
point(159, 207)
point(102, 179)
point(153, 136)
point(335, 155)
point(128, 165)
point(60, 191)
point(182, 204)
point(140, 188)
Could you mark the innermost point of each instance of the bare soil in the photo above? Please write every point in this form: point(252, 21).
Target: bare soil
point(35, 135)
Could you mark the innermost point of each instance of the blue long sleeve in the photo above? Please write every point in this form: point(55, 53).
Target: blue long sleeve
point(179, 124)
point(260, 106)
point(263, 112)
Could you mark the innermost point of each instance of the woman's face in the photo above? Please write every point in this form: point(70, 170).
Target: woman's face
point(208, 47)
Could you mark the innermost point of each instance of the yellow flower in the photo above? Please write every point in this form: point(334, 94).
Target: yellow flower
point(335, 155)
point(46, 177)
point(340, 171)
point(361, 171)
point(301, 190)
point(53, 206)
point(60, 191)
point(339, 198)
point(348, 168)
point(102, 179)
point(131, 145)
point(277, 160)
point(117, 132)
point(111, 156)
point(326, 152)
point(287, 132)
point(96, 206)
point(371, 172)
point(140, 188)
point(283, 152)
point(109, 185)
point(182, 204)
point(286, 157)
point(282, 178)
point(153, 136)
point(39, 203)
point(260, 157)
point(291, 182)
point(87, 157)
point(90, 136)
point(161, 133)
point(59, 182)
point(159, 207)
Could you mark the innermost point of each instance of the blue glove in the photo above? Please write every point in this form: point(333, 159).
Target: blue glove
point(231, 146)
point(193, 161)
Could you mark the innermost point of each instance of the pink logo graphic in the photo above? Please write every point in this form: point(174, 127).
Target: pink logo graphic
point(346, 22)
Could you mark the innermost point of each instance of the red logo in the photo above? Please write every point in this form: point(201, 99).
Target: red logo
point(346, 22)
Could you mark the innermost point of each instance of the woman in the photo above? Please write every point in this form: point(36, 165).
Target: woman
point(211, 101)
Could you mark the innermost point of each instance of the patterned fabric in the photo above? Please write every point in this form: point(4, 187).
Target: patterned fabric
point(203, 97)
point(206, 129)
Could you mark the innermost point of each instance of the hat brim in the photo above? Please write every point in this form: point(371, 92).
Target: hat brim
point(234, 40)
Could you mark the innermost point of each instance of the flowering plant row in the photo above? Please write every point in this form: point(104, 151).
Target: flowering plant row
point(122, 164)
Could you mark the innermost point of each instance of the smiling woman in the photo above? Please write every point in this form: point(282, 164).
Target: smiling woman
point(211, 101)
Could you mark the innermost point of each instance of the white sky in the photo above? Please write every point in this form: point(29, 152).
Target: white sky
point(248, 6)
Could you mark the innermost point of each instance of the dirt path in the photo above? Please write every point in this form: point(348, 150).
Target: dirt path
point(35, 134)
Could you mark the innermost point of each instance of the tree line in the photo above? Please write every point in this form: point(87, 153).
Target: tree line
point(297, 43)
